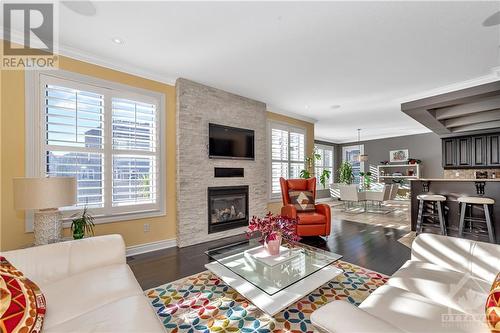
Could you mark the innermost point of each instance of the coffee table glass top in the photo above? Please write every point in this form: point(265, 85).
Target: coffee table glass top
point(272, 274)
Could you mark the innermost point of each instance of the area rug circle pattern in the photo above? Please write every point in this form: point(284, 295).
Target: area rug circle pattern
point(203, 303)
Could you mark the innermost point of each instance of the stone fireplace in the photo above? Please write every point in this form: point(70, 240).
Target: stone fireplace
point(227, 208)
point(197, 106)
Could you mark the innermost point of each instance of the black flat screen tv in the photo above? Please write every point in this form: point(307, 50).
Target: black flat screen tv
point(230, 142)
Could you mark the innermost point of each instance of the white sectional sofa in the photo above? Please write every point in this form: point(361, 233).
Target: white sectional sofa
point(88, 286)
point(443, 288)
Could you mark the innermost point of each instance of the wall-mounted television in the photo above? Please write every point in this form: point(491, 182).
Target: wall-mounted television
point(231, 142)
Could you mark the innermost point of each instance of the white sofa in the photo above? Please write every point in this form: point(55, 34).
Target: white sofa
point(443, 288)
point(88, 286)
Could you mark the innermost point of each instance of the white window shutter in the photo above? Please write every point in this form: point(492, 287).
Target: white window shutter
point(73, 139)
point(108, 139)
point(287, 154)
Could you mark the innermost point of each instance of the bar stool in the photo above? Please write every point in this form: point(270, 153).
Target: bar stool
point(469, 202)
point(435, 200)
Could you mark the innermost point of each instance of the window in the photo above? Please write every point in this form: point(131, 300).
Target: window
point(325, 162)
point(287, 154)
point(106, 135)
point(351, 154)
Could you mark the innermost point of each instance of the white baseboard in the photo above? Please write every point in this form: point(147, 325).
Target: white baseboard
point(149, 247)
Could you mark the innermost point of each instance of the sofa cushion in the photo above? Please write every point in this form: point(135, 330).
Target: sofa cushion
point(415, 313)
point(130, 314)
point(492, 307)
point(81, 293)
point(22, 304)
point(457, 290)
point(332, 317)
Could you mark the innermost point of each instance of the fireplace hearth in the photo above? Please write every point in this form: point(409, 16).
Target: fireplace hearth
point(227, 208)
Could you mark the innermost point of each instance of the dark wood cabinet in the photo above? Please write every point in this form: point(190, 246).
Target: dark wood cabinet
point(493, 148)
point(471, 151)
point(479, 151)
point(449, 153)
point(464, 152)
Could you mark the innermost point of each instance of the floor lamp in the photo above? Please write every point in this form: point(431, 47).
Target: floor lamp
point(45, 196)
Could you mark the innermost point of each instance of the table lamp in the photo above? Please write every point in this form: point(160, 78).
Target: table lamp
point(45, 196)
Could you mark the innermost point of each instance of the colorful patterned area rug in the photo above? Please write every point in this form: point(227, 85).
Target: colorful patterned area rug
point(203, 303)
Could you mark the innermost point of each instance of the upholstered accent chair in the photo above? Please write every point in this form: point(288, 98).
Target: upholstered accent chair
point(311, 223)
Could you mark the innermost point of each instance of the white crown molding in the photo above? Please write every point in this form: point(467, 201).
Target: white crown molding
point(290, 114)
point(384, 136)
point(70, 52)
point(149, 247)
point(121, 67)
point(493, 76)
point(319, 138)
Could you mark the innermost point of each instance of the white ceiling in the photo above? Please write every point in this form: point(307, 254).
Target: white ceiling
point(366, 57)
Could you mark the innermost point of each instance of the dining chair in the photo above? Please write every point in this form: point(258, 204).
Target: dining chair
point(379, 197)
point(350, 195)
point(394, 191)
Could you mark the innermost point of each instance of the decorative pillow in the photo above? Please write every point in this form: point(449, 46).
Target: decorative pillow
point(302, 200)
point(22, 305)
point(493, 306)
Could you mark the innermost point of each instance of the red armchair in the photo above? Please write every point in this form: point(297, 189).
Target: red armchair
point(313, 223)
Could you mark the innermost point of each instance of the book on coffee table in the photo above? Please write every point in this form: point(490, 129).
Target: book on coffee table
point(260, 253)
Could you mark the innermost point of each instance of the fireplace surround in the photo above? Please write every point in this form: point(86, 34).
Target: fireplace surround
point(227, 208)
point(197, 106)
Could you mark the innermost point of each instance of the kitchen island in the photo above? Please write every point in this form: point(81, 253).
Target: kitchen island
point(453, 189)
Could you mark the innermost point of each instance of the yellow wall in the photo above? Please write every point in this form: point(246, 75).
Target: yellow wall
point(275, 206)
point(12, 156)
point(12, 153)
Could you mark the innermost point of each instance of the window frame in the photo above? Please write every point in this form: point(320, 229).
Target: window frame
point(272, 124)
point(361, 163)
point(321, 164)
point(36, 145)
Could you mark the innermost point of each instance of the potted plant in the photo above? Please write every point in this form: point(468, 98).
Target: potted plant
point(310, 161)
point(367, 178)
point(323, 178)
point(308, 172)
point(346, 175)
point(82, 224)
point(414, 161)
point(274, 229)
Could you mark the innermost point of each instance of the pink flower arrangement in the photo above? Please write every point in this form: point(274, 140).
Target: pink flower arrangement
point(271, 227)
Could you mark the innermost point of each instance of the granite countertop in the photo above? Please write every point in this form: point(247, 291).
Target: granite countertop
point(455, 180)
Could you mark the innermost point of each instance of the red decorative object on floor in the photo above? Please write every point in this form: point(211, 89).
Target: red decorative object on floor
point(22, 304)
point(310, 223)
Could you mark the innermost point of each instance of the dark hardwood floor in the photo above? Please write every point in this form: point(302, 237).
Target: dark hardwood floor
point(373, 247)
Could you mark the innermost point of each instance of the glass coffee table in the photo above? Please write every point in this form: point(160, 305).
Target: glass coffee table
point(272, 283)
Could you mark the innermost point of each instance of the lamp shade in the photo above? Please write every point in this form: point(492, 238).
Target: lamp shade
point(44, 193)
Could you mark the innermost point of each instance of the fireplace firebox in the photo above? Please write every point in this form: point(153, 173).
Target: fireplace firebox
point(227, 208)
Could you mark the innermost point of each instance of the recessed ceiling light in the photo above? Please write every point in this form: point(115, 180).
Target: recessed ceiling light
point(335, 106)
point(117, 40)
point(307, 106)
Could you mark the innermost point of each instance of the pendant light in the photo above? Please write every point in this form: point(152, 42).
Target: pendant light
point(361, 157)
